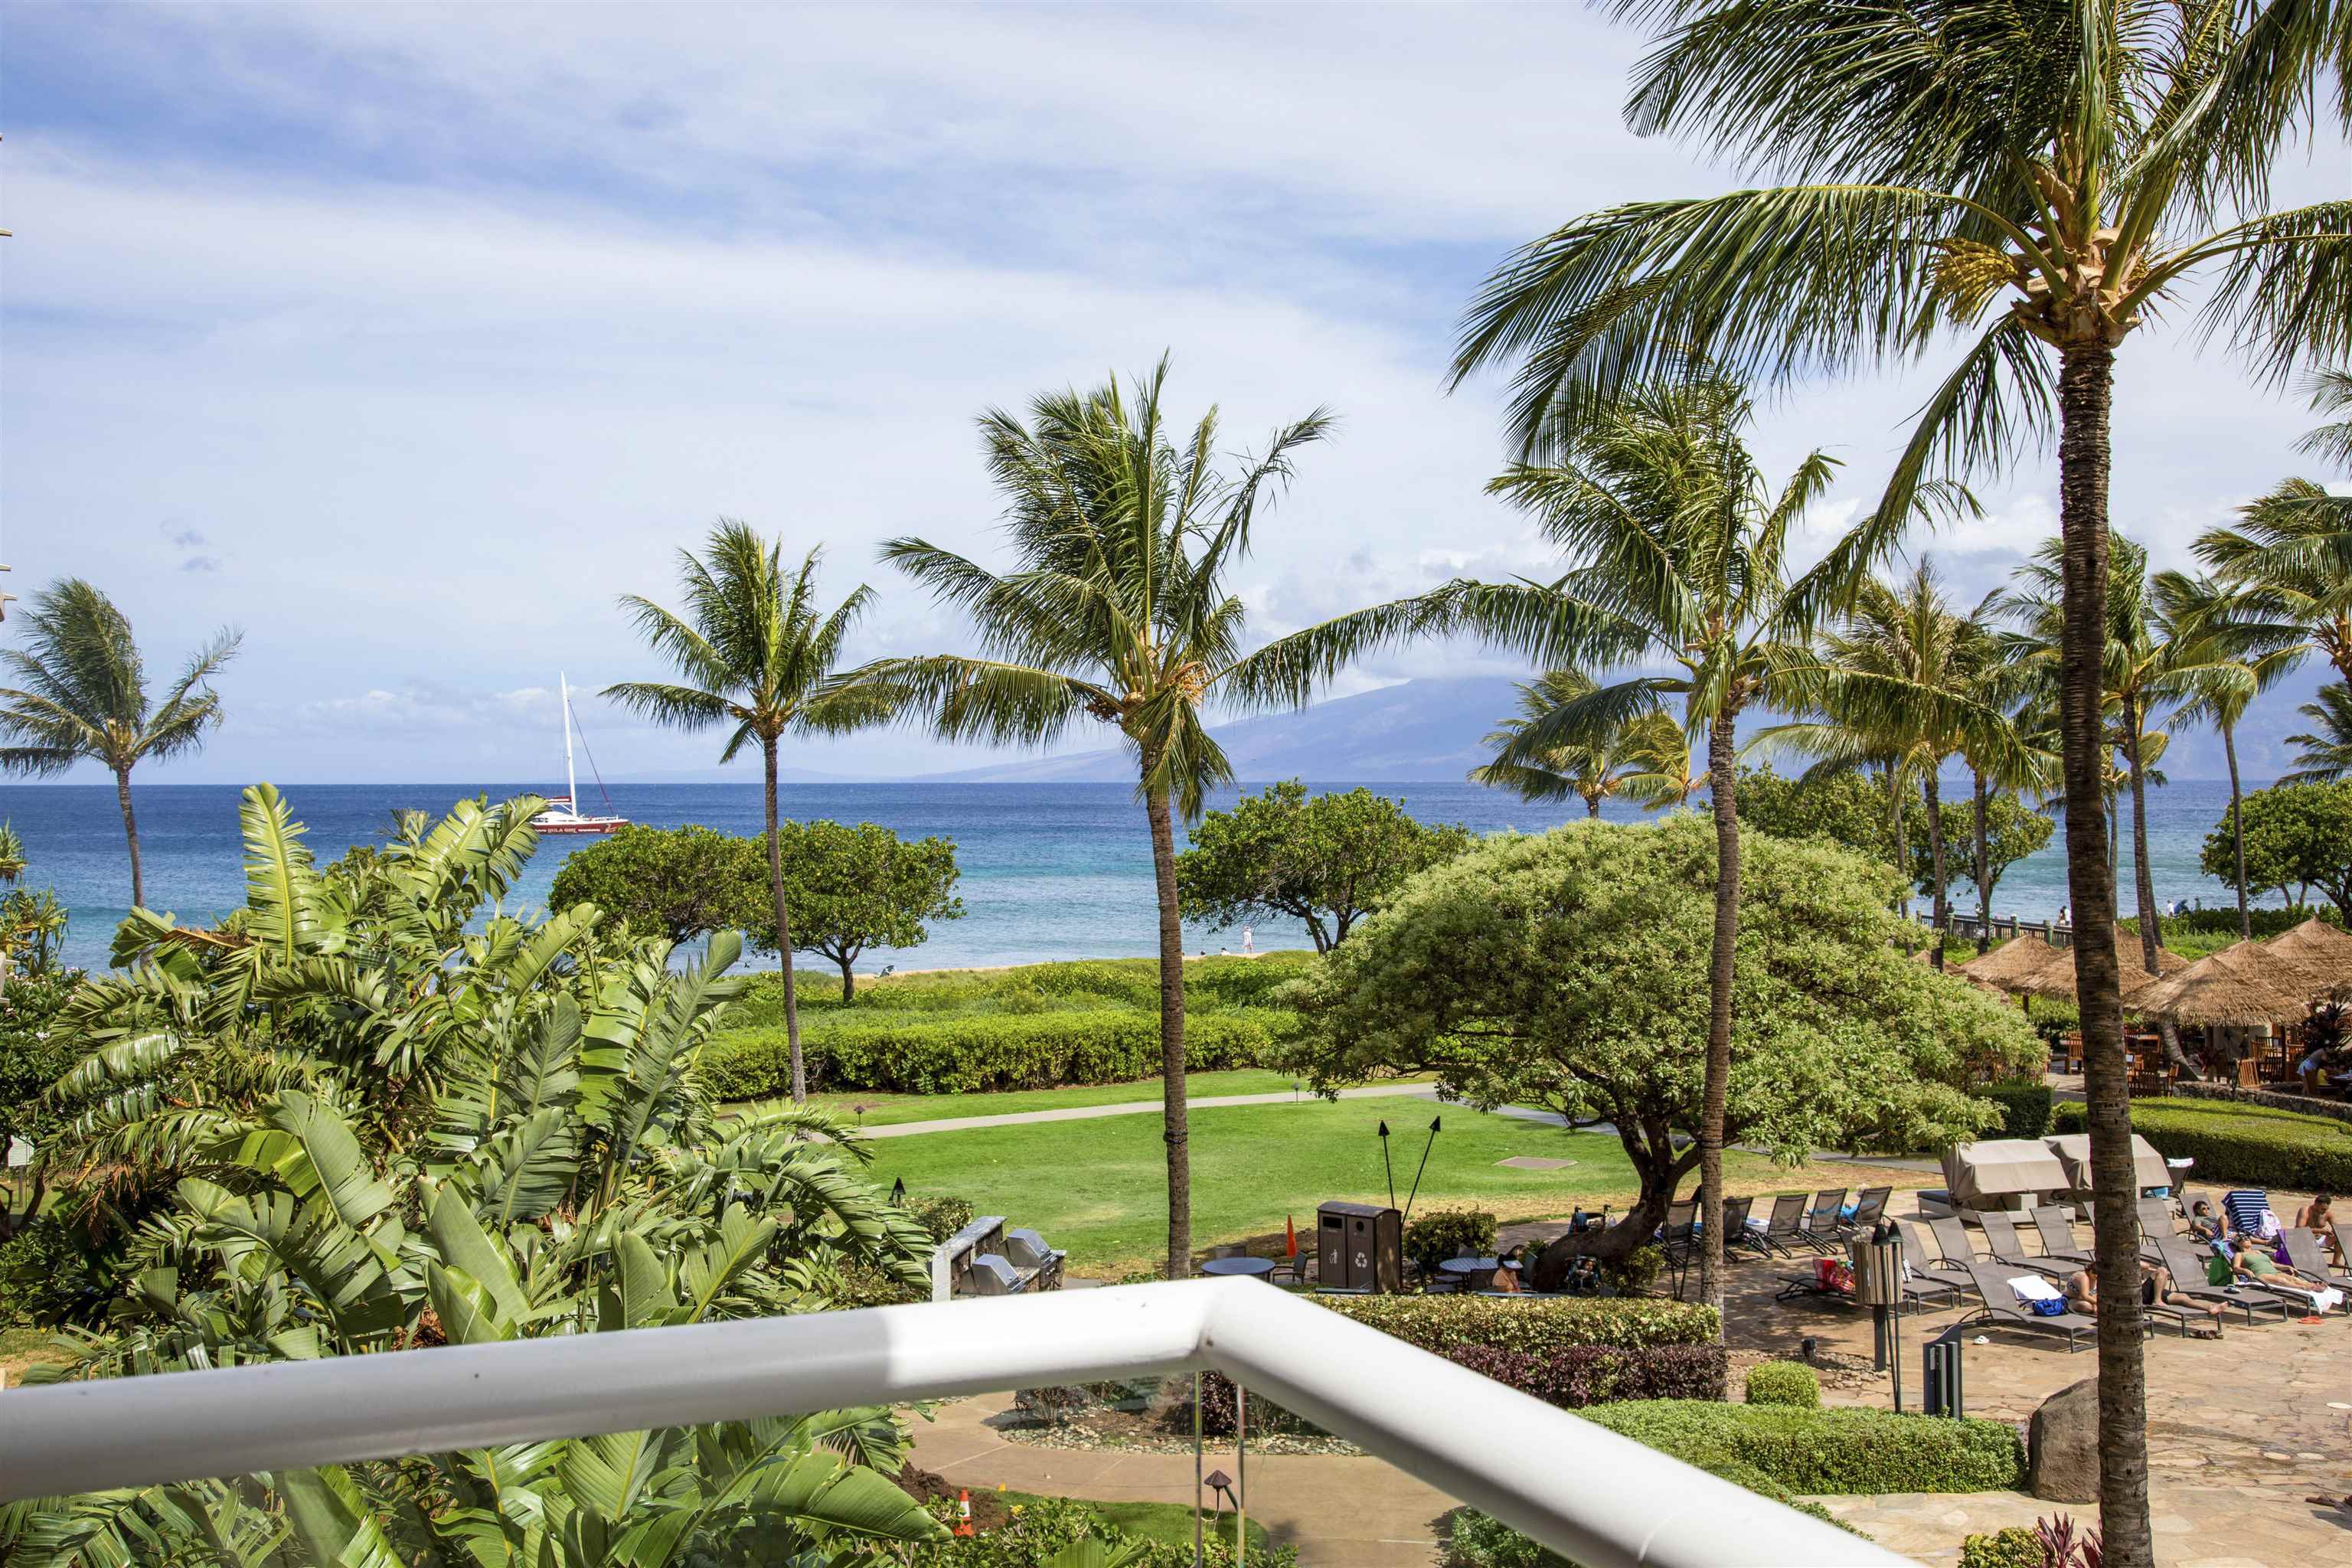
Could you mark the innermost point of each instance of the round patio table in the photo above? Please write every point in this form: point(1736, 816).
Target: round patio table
point(1472, 1265)
point(1256, 1267)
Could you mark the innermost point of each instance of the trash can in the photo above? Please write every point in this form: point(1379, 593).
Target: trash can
point(1877, 1271)
point(1358, 1246)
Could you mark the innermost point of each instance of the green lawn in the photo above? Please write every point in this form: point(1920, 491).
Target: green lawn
point(1165, 1522)
point(1099, 1187)
point(884, 1109)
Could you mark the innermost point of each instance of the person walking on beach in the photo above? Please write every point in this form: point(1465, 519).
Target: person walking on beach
point(1248, 948)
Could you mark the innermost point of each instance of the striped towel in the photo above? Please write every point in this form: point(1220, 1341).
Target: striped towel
point(2250, 1213)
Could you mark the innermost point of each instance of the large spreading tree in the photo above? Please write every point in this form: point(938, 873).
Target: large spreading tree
point(854, 887)
point(1558, 970)
point(2042, 180)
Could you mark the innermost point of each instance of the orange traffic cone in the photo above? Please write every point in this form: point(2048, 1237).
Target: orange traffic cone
point(1289, 1236)
point(963, 1512)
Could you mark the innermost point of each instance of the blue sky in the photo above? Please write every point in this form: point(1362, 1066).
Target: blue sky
point(407, 338)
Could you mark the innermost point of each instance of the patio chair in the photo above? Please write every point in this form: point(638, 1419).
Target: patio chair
point(1028, 1249)
point(2303, 1250)
point(2001, 1241)
point(1739, 1238)
point(2188, 1266)
point(993, 1275)
point(1784, 1231)
point(1952, 1241)
point(1867, 1210)
point(1822, 1221)
point(2002, 1308)
point(2056, 1229)
point(1678, 1239)
point(1916, 1254)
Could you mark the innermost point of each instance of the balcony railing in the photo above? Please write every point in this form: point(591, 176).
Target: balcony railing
point(1602, 1499)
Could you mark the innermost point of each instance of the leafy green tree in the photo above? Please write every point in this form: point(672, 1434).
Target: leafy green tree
point(1645, 758)
point(1117, 609)
point(1838, 805)
point(675, 883)
point(1558, 970)
point(2040, 183)
point(2298, 836)
point(442, 1129)
point(2011, 830)
point(2326, 753)
point(1326, 861)
point(757, 655)
point(81, 696)
point(850, 889)
point(1677, 557)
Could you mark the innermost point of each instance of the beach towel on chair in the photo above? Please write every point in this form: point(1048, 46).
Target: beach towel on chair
point(2250, 1213)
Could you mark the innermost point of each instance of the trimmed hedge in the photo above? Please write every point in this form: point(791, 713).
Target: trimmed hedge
point(2025, 1107)
point(2015, 1547)
point(973, 1053)
point(2244, 1145)
point(1786, 1383)
point(1828, 1452)
point(1581, 1376)
point(1444, 1325)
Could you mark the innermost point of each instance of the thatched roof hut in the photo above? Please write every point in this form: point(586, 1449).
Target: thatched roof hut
point(2243, 984)
point(2132, 975)
point(2012, 961)
point(2317, 945)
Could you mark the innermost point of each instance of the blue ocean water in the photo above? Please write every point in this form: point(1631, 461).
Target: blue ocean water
point(1050, 871)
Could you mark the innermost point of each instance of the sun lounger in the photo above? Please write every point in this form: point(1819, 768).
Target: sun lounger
point(1867, 1210)
point(2001, 1241)
point(2248, 1210)
point(1923, 1267)
point(1952, 1241)
point(1823, 1221)
point(2187, 1264)
point(1784, 1233)
point(2056, 1229)
point(2002, 1308)
point(1738, 1236)
point(2303, 1250)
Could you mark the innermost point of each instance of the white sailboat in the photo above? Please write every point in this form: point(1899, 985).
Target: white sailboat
point(562, 814)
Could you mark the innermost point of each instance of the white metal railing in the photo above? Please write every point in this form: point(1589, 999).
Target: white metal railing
point(1603, 1499)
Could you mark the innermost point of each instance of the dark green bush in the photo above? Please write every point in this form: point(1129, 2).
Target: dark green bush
point(1581, 1376)
point(1443, 1232)
point(2241, 1144)
point(2025, 1107)
point(2223, 922)
point(942, 1216)
point(1784, 1383)
point(1831, 1451)
point(972, 1053)
point(1442, 1324)
point(51, 1273)
point(1635, 1273)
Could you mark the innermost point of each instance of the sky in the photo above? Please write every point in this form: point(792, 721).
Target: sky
point(407, 339)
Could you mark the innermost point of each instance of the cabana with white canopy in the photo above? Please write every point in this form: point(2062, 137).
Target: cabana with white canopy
point(2074, 1153)
point(1997, 1173)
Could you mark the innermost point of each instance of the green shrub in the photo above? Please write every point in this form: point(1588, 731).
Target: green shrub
point(1578, 1376)
point(1442, 1324)
point(1040, 1528)
point(1784, 1383)
point(2025, 1107)
point(1635, 1273)
point(1446, 1233)
point(2016, 1547)
point(972, 1053)
point(2240, 1144)
point(1829, 1451)
point(942, 1216)
point(52, 1273)
point(1482, 1540)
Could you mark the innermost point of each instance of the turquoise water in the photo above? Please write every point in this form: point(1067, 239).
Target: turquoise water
point(1050, 871)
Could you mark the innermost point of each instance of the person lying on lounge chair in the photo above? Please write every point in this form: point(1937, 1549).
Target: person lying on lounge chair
point(2252, 1264)
point(2204, 1224)
point(2155, 1285)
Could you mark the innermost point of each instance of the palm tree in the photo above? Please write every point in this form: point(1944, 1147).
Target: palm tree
point(2200, 608)
point(82, 696)
point(757, 655)
point(2290, 563)
point(1117, 610)
point(1678, 556)
point(2046, 180)
point(2330, 391)
point(1644, 759)
point(2326, 753)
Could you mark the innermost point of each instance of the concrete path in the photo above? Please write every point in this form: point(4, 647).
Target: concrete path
point(1136, 1107)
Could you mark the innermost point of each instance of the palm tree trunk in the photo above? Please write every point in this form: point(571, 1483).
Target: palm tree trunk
point(1895, 793)
point(2237, 830)
point(2085, 395)
point(784, 927)
point(1171, 1039)
point(1984, 870)
point(2151, 928)
point(130, 832)
point(1942, 907)
point(1716, 1091)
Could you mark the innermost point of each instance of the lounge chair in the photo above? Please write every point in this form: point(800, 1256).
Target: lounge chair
point(1678, 1239)
point(1952, 1241)
point(2056, 1229)
point(2001, 1307)
point(1821, 1221)
point(1917, 1253)
point(1867, 1209)
point(1739, 1238)
point(1784, 1231)
point(2303, 1250)
point(1027, 1250)
point(2001, 1241)
point(2188, 1267)
point(2246, 1209)
point(2157, 1221)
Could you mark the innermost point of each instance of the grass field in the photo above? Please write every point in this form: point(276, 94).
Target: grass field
point(886, 1109)
point(1099, 1187)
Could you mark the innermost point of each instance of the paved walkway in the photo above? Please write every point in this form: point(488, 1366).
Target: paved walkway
point(1140, 1107)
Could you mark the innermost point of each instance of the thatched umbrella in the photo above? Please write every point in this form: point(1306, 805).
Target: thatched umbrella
point(2319, 945)
point(2244, 985)
point(2011, 961)
point(2132, 977)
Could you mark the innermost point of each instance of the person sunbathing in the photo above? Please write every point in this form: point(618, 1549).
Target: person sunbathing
point(2254, 1265)
point(2318, 1217)
point(2156, 1284)
point(2204, 1224)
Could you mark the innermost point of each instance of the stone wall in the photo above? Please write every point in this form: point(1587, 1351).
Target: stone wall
point(2273, 1098)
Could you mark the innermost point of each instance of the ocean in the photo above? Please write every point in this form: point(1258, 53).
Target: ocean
point(1049, 870)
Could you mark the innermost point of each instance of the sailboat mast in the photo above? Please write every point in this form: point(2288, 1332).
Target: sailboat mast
point(571, 784)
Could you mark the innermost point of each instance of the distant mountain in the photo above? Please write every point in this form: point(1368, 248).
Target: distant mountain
point(1416, 733)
